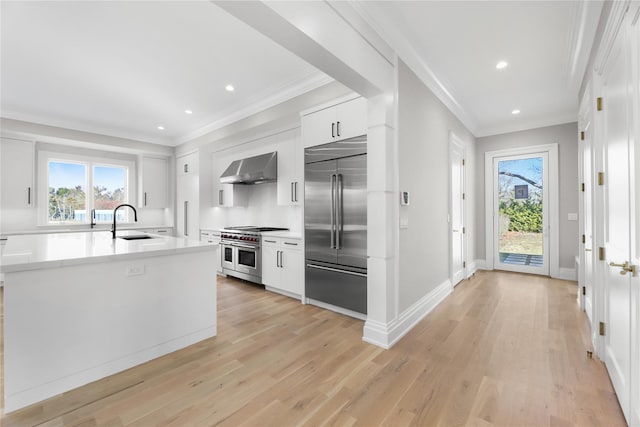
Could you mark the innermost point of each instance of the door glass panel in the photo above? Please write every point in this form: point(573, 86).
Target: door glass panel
point(228, 254)
point(520, 204)
point(247, 258)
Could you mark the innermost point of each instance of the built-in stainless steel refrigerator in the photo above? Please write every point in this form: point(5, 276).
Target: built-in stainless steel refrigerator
point(335, 214)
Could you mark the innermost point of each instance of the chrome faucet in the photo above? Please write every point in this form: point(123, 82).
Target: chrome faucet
point(113, 228)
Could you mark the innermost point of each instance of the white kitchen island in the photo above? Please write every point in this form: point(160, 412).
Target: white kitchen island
point(81, 306)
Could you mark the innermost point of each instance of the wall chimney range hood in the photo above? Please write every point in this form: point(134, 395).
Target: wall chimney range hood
point(252, 170)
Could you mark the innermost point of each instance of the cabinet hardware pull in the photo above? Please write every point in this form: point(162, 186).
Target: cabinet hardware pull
point(269, 241)
point(352, 273)
point(186, 167)
point(145, 198)
point(220, 197)
point(333, 125)
point(289, 243)
point(296, 191)
point(28, 195)
point(338, 128)
point(186, 213)
point(292, 192)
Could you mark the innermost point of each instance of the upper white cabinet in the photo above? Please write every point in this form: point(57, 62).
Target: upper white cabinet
point(17, 158)
point(226, 195)
point(153, 183)
point(290, 169)
point(342, 121)
point(187, 164)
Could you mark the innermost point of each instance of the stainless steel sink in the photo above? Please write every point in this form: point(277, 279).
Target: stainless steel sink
point(136, 237)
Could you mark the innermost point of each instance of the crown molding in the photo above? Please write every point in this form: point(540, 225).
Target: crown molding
point(614, 22)
point(528, 125)
point(283, 93)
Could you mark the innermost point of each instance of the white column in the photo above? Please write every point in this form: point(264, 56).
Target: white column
point(382, 219)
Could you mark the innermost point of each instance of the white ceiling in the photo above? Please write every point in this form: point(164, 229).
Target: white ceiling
point(124, 68)
point(457, 44)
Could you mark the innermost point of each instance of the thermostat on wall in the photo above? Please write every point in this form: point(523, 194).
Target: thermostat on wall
point(404, 198)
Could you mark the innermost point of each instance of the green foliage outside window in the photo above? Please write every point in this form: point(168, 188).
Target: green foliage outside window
point(524, 215)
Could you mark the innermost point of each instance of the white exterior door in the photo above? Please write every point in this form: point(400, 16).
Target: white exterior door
point(456, 168)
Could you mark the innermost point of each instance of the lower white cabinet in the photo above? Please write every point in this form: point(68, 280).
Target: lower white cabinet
point(283, 265)
point(213, 237)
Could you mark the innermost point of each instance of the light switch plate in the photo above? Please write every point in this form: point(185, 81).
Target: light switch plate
point(572, 217)
point(135, 270)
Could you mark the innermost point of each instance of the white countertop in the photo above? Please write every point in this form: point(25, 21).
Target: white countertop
point(75, 229)
point(39, 251)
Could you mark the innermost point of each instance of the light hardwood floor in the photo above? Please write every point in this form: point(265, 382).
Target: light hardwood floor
point(504, 349)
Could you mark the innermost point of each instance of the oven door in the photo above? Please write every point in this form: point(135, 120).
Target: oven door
point(248, 259)
point(228, 257)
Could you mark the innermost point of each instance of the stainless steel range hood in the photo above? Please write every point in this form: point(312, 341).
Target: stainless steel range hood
point(252, 170)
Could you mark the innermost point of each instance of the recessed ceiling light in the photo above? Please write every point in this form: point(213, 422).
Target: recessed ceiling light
point(160, 127)
point(188, 112)
point(514, 112)
point(229, 88)
point(502, 65)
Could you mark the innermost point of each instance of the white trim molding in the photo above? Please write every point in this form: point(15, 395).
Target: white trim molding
point(474, 266)
point(386, 335)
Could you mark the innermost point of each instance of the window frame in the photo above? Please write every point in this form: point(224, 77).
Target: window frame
point(45, 157)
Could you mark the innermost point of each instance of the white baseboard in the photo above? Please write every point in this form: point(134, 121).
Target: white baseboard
point(479, 264)
point(566, 274)
point(386, 335)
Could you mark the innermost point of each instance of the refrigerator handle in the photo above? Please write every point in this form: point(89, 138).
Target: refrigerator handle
point(333, 211)
point(339, 219)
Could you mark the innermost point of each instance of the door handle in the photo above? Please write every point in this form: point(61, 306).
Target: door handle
point(339, 219)
point(626, 268)
point(333, 211)
point(351, 273)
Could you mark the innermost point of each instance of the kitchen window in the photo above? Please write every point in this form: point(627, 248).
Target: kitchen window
point(81, 188)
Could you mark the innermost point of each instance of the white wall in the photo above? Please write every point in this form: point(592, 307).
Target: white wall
point(566, 136)
point(424, 124)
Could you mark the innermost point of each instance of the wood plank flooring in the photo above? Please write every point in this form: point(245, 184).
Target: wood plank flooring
point(504, 349)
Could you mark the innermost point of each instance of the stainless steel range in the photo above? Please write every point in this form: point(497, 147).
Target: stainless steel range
point(241, 251)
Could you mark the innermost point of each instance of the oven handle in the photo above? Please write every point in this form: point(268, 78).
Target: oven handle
point(235, 245)
point(351, 273)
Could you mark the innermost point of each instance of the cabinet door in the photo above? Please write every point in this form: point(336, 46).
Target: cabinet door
point(270, 269)
point(17, 173)
point(187, 164)
point(154, 181)
point(351, 118)
point(289, 167)
point(319, 127)
point(291, 271)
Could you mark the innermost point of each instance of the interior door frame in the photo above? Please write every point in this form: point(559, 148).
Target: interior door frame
point(552, 188)
point(455, 142)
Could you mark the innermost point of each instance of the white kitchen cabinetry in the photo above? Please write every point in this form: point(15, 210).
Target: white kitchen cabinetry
point(187, 196)
point(213, 237)
point(283, 265)
point(335, 123)
point(17, 158)
point(290, 169)
point(153, 179)
point(226, 195)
